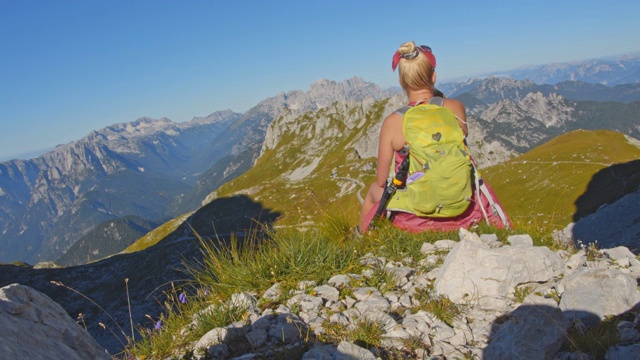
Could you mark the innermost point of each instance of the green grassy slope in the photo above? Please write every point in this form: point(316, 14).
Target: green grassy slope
point(544, 185)
point(338, 173)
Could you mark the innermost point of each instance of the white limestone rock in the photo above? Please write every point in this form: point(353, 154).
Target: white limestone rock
point(32, 326)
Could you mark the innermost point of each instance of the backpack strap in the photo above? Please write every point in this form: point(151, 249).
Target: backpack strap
point(436, 100)
point(403, 110)
point(481, 189)
point(495, 207)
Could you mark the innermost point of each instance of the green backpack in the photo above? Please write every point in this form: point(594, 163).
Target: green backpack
point(439, 184)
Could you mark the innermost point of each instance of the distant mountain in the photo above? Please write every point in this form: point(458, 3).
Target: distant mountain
point(242, 141)
point(611, 71)
point(582, 91)
point(137, 168)
point(492, 89)
point(110, 237)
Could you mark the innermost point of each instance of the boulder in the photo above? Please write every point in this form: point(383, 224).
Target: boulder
point(592, 293)
point(32, 326)
point(475, 273)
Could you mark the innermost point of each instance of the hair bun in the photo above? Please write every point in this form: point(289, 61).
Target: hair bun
point(407, 48)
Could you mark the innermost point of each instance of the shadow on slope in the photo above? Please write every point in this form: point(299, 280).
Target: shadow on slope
point(148, 274)
point(607, 186)
point(223, 216)
point(609, 210)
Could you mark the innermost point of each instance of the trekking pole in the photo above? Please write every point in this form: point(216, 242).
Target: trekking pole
point(390, 188)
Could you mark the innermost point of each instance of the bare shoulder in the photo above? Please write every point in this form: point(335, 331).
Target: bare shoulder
point(456, 106)
point(391, 132)
point(394, 119)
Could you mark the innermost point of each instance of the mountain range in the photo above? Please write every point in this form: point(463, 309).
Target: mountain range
point(157, 169)
point(153, 169)
point(291, 159)
point(610, 71)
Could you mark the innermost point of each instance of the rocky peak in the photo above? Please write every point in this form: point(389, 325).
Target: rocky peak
point(140, 127)
point(552, 110)
point(502, 83)
point(218, 116)
point(324, 92)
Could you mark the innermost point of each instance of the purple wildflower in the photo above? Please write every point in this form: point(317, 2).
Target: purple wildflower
point(183, 298)
point(158, 325)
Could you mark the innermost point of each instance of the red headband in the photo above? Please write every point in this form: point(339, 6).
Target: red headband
point(422, 48)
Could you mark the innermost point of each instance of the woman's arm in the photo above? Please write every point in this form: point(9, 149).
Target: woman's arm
point(385, 147)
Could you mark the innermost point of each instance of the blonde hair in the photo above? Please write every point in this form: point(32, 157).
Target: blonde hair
point(416, 73)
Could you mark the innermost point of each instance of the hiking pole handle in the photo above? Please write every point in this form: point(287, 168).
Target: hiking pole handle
point(387, 193)
point(403, 171)
point(398, 180)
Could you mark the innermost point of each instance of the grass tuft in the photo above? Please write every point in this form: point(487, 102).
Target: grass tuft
point(440, 306)
point(267, 257)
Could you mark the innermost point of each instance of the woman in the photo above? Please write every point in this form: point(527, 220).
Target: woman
point(417, 76)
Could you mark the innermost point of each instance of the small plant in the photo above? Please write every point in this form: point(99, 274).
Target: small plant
point(267, 257)
point(295, 308)
point(591, 251)
point(380, 279)
point(366, 333)
point(333, 332)
point(346, 292)
point(336, 226)
point(410, 346)
point(158, 338)
point(398, 245)
point(521, 293)
point(440, 306)
point(81, 320)
point(555, 295)
point(265, 304)
point(218, 315)
point(444, 309)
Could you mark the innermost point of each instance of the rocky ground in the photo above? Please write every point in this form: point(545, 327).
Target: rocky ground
point(514, 301)
point(477, 298)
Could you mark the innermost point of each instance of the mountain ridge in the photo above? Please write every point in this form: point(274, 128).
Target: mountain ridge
point(43, 189)
point(607, 70)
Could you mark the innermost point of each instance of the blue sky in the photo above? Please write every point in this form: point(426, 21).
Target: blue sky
point(69, 67)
